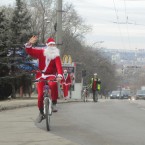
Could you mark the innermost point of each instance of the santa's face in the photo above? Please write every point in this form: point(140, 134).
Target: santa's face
point(65, 71)
point(51, 51)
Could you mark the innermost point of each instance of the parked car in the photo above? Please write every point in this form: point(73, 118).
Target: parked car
point(140, 94)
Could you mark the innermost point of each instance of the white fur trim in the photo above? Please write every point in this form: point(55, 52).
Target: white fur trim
point(50, 43)
point(47, 61)
point(45, 76)
point(27, 45)
point(59, 75)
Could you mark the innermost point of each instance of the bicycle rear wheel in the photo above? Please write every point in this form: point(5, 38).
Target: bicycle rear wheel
point(47, 114)
point(85, 97)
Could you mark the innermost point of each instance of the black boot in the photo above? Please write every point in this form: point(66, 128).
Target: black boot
point(41, 111)
point(54, 107)
point(40, 116)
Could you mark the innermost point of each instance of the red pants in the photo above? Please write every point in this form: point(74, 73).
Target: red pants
point(54, 92)
point(65, 89)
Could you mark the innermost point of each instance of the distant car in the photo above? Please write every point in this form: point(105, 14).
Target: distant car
point(140, 94)
point(125, 94)
point(115, 95)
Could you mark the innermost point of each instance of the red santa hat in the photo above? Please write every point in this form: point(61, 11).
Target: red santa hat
point(50, 41)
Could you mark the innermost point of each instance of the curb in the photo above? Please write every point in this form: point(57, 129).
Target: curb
point(20, 103)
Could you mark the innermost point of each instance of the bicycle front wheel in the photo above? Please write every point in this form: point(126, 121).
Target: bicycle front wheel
point(47, 115)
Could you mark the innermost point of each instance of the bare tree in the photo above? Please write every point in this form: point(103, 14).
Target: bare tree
point(73, 23)
point(91, 60)
point(43, 19)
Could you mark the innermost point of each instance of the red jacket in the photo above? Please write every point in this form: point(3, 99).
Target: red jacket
point(48, 66)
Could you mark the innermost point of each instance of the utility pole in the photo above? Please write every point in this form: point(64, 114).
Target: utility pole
point(59, 33)
point(59, 24)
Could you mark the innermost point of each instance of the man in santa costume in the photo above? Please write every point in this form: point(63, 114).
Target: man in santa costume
point(49, 63)
point(66, 83)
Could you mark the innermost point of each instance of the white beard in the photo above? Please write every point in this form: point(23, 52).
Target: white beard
point(51, 52)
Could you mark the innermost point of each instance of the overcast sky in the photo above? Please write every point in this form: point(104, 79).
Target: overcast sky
point(120, 24)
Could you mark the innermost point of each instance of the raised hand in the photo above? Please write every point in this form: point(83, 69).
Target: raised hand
point(33, 40)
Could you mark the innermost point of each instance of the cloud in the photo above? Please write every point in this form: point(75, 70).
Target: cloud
point(114, 21)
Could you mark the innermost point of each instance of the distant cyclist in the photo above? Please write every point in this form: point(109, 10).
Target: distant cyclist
point(95, 85)
point(50, 64)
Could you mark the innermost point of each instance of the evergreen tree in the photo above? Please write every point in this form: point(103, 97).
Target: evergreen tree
point(20, 25)
point(3, 31)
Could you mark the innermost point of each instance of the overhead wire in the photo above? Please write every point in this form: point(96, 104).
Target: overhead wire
point(117, 17)
point(126, 17)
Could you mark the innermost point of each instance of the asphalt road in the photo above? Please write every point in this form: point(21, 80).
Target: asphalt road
point(113, 122)
point(108, 122)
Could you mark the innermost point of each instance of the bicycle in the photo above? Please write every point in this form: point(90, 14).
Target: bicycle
point(85, 94)
point(47, 98)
